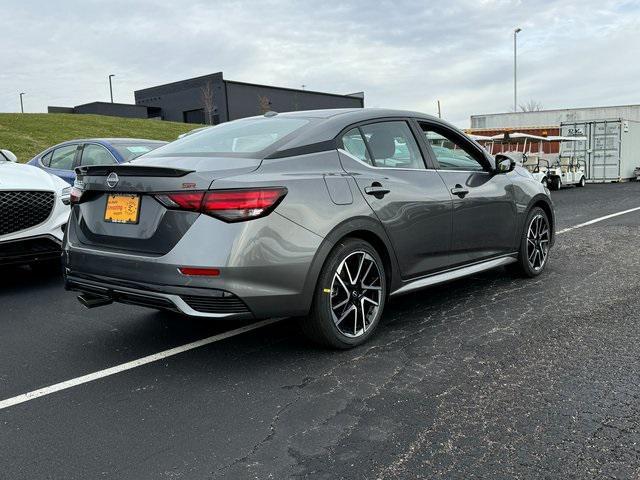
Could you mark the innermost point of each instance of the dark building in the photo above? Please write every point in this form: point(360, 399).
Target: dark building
point(106, 108)
point(211, 99)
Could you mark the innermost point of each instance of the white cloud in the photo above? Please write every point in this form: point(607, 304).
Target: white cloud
point(403, 54)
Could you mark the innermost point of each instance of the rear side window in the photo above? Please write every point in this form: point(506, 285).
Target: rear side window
point(240, 137)
point(392, 145)
point(46, 159)
point(354, 144)
point(63, 157)
point(96, 155)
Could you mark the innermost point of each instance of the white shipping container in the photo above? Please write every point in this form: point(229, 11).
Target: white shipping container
point(611, 151)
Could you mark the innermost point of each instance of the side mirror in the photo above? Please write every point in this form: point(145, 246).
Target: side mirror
point(504, 164)
point(8, 155)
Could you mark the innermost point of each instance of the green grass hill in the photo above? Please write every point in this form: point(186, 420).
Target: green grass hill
point(30, 133)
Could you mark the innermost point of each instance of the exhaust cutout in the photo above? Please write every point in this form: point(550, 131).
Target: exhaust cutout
point(90, 300)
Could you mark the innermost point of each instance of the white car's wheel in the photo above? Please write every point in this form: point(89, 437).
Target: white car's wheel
point(582, 182)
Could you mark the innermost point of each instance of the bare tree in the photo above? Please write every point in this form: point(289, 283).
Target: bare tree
point(264, 103)
point(531, 106)
point(207, 103)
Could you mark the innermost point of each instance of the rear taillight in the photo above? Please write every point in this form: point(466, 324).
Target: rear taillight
point(228, 205)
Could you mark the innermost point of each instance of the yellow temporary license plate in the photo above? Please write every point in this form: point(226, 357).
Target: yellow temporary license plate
point(122, 208)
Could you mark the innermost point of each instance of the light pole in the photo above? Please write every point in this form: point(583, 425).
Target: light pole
point(111, 87)
point(21, 105)
point(515, 68)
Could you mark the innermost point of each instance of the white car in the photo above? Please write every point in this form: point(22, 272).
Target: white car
point(34, 209)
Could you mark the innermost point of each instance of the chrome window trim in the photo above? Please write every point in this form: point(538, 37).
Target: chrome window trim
point(463, 171)
point(350, 155)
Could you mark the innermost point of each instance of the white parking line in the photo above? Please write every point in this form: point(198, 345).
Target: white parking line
point(25, 397)
point(596, 220)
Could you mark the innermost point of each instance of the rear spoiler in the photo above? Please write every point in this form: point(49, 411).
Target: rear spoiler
point(131, 171)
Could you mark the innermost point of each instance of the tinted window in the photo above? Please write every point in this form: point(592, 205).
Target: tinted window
point(46, 159)
point(392, 145)
point(354, 144)
point(96, 155)
point(63, 157)
point(451, 155)
point(237, 137)
point(134, 150)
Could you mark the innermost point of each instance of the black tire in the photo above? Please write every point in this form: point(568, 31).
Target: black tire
point(582, 182)
point(320, 326)
point(524, 267)
point(555, 183)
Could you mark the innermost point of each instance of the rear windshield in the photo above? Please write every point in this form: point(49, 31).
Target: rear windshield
point(134, 150)
point(235, 138)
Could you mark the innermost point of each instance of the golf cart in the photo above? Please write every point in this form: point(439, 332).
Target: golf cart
point(538, 167)
point(567, 171)
point(552, 170)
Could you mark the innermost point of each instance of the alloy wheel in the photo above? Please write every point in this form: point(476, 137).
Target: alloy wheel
point(538, 236)
point(356, 294)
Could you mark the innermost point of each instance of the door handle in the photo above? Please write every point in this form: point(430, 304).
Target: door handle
point(377, 190)
point(459, 190)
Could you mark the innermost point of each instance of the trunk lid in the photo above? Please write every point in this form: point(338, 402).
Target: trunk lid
point(157, 229)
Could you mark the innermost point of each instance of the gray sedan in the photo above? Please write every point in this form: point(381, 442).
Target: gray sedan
point(319, 214)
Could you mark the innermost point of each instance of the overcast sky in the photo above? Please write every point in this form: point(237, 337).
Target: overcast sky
point(402, 54)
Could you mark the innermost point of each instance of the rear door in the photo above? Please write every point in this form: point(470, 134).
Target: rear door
point(484, 210)
point(409, 199)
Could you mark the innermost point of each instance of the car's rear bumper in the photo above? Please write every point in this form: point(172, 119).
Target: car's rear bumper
point(195, 302)
point(264, 263)
point(30, 250)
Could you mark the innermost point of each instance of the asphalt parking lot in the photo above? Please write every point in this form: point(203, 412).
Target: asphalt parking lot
point(487, 377)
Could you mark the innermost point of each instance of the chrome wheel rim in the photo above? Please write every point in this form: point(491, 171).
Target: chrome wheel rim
point(538, 242)
point(356, 294)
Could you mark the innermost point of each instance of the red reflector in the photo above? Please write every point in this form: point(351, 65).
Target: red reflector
point(199, 272)
point(74, 195)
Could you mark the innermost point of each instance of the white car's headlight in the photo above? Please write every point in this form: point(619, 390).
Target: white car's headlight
point(65, 195)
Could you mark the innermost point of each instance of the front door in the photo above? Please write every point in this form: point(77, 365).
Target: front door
point(410, 200)
point(484, 210)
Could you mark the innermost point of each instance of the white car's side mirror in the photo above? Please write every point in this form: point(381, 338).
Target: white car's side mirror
point(8, 155)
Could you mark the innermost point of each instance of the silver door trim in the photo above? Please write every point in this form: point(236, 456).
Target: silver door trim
point(459, 272)
point(350, 155)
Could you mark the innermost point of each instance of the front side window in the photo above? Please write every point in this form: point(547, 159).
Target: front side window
point(239, 138)
point(392, 145)
point(63, 157)
point(96, 155)
point(449, 153)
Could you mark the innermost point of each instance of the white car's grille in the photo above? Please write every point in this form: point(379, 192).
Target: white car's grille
point(21, 210)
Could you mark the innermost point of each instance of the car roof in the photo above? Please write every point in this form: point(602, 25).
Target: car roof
point(325, 125)
point(355, 113)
